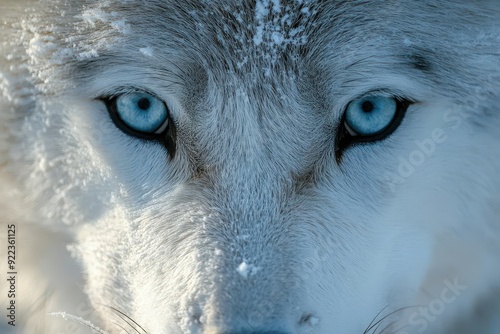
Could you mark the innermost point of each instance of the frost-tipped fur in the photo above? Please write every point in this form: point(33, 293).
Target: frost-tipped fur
point(254, 226)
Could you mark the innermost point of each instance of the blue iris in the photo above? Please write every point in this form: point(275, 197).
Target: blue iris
point(141, 112)
point(371, 114)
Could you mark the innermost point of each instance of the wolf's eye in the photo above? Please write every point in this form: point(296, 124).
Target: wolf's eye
point(370, 115)
point(144, 116)
point(369, 119)
point(141, 112)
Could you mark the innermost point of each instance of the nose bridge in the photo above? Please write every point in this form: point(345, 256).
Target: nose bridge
point(253, 123)
point(252, 193)
point(250, 279)
point(252, 282)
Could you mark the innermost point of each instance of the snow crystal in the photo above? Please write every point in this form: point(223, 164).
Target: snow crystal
point(94, 15)
point(257, 38)
point(314, 321)
point(121, 26)
point(261, 10)
point(277, 26)
point(243, 237)
point(407, 42)
point(91, 16)
point(79, 320)
point(245, 269)
point(239, 18)
point(88, 55)
point(147, 51)
point(218, 252)
point(242, 62)
point(87, 48)
point(274, 23)
point(5, 88)
point(277, 38)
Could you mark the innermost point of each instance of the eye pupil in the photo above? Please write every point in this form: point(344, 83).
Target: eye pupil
point(144, 103)
point(367, 106)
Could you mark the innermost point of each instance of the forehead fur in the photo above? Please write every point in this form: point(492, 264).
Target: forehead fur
point(264, 33)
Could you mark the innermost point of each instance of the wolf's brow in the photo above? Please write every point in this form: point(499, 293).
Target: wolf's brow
point(419, 61)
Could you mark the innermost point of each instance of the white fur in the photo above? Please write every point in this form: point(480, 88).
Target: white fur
point(253, 226)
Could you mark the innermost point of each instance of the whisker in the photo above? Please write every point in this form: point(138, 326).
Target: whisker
point(388, 315)
point(388, 326)
point(370, 324)
point(128, 323)
point(117, 324)
point(120, 314)
point(376, 328)
point(79, 320)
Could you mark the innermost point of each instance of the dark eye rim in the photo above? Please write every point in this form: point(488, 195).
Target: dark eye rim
point(344, 139)
point(167, 137)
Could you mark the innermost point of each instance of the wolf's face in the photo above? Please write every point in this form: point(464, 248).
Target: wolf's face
point(262, 167)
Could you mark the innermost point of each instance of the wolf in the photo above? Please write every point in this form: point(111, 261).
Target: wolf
point(250, 166)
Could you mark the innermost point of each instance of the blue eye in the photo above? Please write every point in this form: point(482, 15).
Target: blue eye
point(144, 116)
point(369, 119)
point(370, 115)
point(141, 112)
